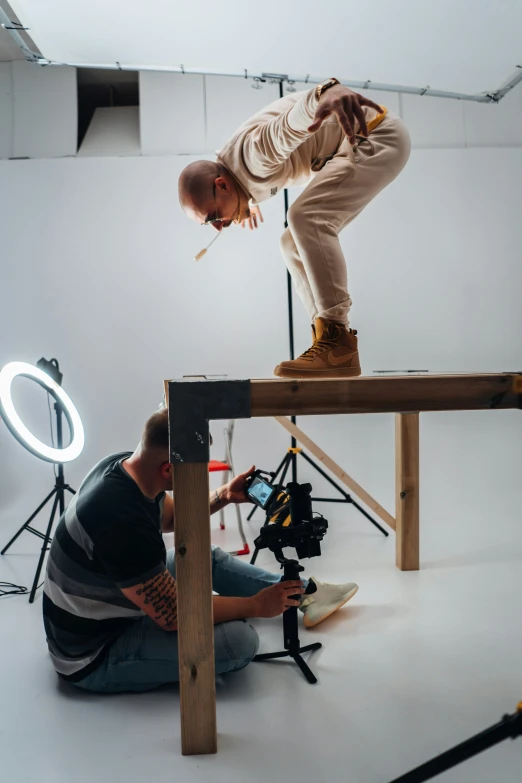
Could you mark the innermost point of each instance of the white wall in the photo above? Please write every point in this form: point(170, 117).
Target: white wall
point(38, 111)
point(99, 273)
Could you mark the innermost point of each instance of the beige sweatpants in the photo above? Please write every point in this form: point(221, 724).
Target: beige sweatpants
point(336, 195)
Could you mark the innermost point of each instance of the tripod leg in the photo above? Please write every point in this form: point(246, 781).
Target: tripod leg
point(343, 493)
point(507, 728)
point(49, 496)
point(269, 656)
point(45, 547)
point(310, 647)
point(372, 520)
point(310, 676)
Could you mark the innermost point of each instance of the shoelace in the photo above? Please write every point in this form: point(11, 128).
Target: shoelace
point(324, 342)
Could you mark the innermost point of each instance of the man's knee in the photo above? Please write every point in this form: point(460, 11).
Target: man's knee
point(298, 220)
point(287, 244)
point(239, 645)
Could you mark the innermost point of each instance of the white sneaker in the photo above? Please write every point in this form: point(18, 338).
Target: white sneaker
point(326, 600)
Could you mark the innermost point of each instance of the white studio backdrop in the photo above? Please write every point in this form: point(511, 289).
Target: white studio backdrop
point(98, 271)
point(468, 46)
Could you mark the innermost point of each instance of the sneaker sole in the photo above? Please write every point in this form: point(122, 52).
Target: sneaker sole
point(308, 624)
point(349, 372)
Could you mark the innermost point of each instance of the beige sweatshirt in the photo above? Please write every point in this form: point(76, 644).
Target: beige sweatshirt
point(274, 149)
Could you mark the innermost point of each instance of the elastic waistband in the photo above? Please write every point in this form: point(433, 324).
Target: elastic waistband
point(377, 119)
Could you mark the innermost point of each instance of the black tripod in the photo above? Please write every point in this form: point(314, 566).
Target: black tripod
point(280, 476)
point(58, 492)
point(293, 647)
point(509, 726)
point(291, 456)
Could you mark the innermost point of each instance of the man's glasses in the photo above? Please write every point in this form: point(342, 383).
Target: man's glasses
point(212, 221)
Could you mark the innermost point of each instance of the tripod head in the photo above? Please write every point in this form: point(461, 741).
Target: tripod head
point(293, 524)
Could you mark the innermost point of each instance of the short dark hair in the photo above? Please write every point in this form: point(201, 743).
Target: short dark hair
point(156, 431)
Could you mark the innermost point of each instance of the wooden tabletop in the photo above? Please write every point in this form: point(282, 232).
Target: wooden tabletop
point(387, 393)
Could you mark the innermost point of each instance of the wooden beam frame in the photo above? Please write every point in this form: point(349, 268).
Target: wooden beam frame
point(336, 469)
point(192, 404)
point(407, 490)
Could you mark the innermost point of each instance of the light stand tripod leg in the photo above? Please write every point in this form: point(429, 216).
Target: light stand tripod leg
point(509, 727)
point(347, 496)
point(45, 546)
point(24, 526)
point(365, 514)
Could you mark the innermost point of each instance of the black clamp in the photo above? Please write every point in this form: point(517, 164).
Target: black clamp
point(192, 404)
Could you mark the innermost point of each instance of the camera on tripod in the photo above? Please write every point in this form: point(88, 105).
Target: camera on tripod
point(289, 510)
point(289, 521)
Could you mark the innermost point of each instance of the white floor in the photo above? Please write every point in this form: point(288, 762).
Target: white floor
point(416, 663)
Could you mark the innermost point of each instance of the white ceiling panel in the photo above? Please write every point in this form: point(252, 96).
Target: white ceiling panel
point(467, 46)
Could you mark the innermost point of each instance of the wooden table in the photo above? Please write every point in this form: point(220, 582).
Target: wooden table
point(192, 404)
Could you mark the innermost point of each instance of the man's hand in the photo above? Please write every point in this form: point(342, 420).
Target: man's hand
point(347, 105)
point(235, 489)
point(273, 600)
point(252, 220)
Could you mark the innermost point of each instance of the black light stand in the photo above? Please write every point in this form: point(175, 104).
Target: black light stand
point(58, 492)
point(291, 455)
point(292, 644)
point(509, 727)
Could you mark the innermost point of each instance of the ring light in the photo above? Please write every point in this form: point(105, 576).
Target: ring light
point(8, 373)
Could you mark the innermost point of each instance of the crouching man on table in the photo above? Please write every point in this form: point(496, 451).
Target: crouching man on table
point(109, 600)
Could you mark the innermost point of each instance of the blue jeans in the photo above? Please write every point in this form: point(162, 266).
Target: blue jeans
point(146, 656)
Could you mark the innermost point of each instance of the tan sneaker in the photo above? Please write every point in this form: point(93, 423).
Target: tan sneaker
point(334, 354)
point(326, 600)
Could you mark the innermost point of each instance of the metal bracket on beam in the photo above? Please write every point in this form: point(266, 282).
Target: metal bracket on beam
point(192, 404)
point(275, 78)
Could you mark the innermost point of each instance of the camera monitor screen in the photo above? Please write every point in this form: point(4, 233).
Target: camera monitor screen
point(260, 492)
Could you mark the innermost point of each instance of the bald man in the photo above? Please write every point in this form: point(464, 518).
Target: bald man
point(345, 149)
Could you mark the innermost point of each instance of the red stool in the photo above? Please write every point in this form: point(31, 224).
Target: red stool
point(215, 466)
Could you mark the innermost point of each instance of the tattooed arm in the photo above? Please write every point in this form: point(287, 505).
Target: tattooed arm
point(157, 598)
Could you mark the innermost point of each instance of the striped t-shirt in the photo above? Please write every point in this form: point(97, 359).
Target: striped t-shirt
point(109, 537)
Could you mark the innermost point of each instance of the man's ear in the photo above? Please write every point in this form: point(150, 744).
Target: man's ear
point(166, 470)
point(221, 184)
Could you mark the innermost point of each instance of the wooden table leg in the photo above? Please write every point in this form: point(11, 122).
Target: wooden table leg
point(195, 623)
point(407, 490)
